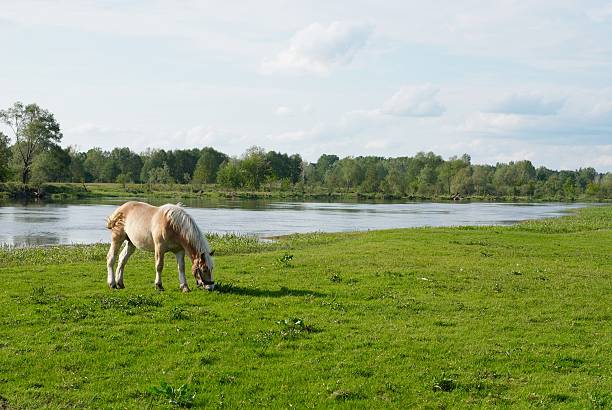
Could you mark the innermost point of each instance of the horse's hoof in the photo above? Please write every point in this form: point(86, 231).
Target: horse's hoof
point(185, 289)
point(159, 287)
point(112, 286)
point(120, 285)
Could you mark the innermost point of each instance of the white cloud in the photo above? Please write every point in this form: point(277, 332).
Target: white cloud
point(200, 136)
point(290, 136)
point(527, 104)
point(282, 110)
point(493, 123)
point(88, 135)
point(600, 14)
point(318, 48)
point(414, 101)
point(584, 117)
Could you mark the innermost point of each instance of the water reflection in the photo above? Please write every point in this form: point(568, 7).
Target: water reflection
point(50, 224)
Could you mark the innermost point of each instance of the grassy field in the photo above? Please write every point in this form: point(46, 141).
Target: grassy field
point(431, 318)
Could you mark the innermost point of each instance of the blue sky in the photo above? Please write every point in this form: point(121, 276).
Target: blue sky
point(504, 80)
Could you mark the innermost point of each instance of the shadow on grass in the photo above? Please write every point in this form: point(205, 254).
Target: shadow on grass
point(222, 287)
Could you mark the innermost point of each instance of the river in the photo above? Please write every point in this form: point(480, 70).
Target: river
point(69, 223)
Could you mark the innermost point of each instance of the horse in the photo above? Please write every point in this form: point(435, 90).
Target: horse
point(167, 228)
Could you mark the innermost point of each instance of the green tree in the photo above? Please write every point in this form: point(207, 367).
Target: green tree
point(184, 164)
point(396, 176)
point(126, 163)
point(160, 175)
point(462, 181)
point(605, 190)
point(256, 167)
point(5, 158)
point(52, 165)
point(374, 174)
point(153, 159)
point(231, 174)
point(280, 165)
point(296, 168)
point(585, 177)
point(352, 172)
point(448, 169)
point(482, 176)
point(208, 165)
point(98, 166)
point(77, 165)
point(35, 131)
point(334, 177)
point(324, 164)
point(427, 180)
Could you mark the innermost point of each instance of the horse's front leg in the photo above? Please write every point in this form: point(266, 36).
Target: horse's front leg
point(111, 257)
point(159, 266)
point(180, 260)
point(127, 251)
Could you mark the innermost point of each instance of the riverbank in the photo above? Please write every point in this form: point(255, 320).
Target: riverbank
point(433, 317)
point(93, 191)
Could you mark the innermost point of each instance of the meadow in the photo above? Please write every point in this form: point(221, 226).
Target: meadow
point(516, 316)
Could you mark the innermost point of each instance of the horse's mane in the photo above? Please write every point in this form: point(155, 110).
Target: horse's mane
point(185, 226)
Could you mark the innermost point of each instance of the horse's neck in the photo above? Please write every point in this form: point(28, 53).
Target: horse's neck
point(190, 248)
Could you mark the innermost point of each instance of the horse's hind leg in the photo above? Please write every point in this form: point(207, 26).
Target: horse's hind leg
point(111, 257)
point(159, 266)
point(127, 251)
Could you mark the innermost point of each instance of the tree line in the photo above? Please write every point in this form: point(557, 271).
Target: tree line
point(33, 156)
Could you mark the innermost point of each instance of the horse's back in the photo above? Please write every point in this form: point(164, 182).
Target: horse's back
point(139, 223)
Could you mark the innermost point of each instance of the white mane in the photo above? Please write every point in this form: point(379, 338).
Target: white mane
point(185, 226)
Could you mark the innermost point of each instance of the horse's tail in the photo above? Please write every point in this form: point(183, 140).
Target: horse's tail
point(114, 219)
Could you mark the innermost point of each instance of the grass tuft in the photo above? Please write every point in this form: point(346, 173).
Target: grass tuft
point(182, 396)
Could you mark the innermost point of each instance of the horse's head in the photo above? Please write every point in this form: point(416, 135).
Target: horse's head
point(202, 271)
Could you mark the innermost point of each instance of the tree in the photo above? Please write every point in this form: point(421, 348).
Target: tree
point(231, 174)
point(462, 182)
point(160, 175)
point(395, 179)
point(481, 177)
point(256, 167)
point(97, 166)
point(324, 164)
point(125, 163)
point(184, 165)
point(352, 172)
point(295, 168)
point(35, 130)
point(5, 157)
point(77, 165)
point(208, 165)
point(450, 168)
point(373, 175)
point(427, 180)
point(153, 159)
point(52, 165)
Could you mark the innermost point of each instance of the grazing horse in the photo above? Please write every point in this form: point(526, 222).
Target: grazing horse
point(159, 229)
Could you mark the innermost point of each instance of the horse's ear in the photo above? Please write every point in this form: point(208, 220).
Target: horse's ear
point(212, 252)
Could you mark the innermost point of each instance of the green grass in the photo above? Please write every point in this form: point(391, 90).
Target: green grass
point(432, 318)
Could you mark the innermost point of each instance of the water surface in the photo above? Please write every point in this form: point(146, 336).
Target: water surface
point(54, 223)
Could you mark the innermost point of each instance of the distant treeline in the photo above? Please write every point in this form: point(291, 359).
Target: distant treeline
point(35, 157)
point(424, 175)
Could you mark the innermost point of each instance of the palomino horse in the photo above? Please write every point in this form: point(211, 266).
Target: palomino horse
point(159, 229)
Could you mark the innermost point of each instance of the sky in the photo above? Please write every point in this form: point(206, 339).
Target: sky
point(501, 81)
